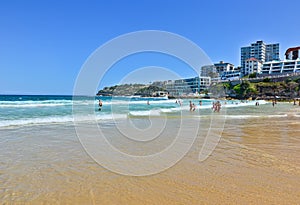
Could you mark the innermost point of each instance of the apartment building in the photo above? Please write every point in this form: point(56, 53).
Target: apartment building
point(261, 51)
point(252, 65)
point(281, 67)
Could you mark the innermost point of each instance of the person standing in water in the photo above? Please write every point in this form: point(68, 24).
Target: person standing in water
point(194, 107)
point(100, 105)
point(191, 106)
point(180, 102)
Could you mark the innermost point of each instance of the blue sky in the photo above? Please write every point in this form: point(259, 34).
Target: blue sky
point(43, 44)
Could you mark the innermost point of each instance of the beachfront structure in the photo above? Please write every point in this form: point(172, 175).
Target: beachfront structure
point(292, 53)
point(252, 65)
point(182, 87)
point(231, 75)
point(281, 67)
point(261, 51)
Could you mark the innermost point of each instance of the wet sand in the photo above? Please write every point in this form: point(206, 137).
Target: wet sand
point(256, 162)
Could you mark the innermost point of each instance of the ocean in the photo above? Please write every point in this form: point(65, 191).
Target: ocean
point(49, 152)
point(17, 110)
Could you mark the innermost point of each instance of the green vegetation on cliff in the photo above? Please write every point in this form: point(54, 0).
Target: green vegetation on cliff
point(245, 89)
point(286, 89)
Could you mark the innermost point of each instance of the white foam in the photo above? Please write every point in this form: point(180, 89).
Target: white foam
point(145, 113)
point(276, 116)
point(111, 116)
point(242, 116)
point(170, 110)
point(61, 119)
point(30, 103)
point(31, 121)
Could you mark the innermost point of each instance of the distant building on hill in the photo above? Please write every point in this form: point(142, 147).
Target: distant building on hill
point(227, 71)
point(292, 53)
point(260, 51)
point(160, 84)
point(209, 71)
point(223, 67)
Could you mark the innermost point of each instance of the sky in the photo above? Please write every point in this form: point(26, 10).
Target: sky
point(44, 44)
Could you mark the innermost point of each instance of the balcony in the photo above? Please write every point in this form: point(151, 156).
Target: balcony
point(289, 63)
point(276, 64)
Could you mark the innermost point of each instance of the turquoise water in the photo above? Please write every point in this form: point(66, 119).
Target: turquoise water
point(16, 110)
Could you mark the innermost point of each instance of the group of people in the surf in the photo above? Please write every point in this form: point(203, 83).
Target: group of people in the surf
point(216, 106)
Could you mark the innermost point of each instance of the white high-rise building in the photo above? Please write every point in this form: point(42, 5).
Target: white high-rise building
point(260, 51)
point(272, 52)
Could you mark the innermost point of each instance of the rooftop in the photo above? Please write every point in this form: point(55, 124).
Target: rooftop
point(292, 49)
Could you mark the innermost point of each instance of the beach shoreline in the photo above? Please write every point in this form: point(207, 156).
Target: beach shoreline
point(255, 160)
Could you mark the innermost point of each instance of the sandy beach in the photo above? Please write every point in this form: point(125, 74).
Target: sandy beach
point(255, 162)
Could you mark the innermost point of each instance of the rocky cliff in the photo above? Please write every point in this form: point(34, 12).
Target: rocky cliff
point(129, 90)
